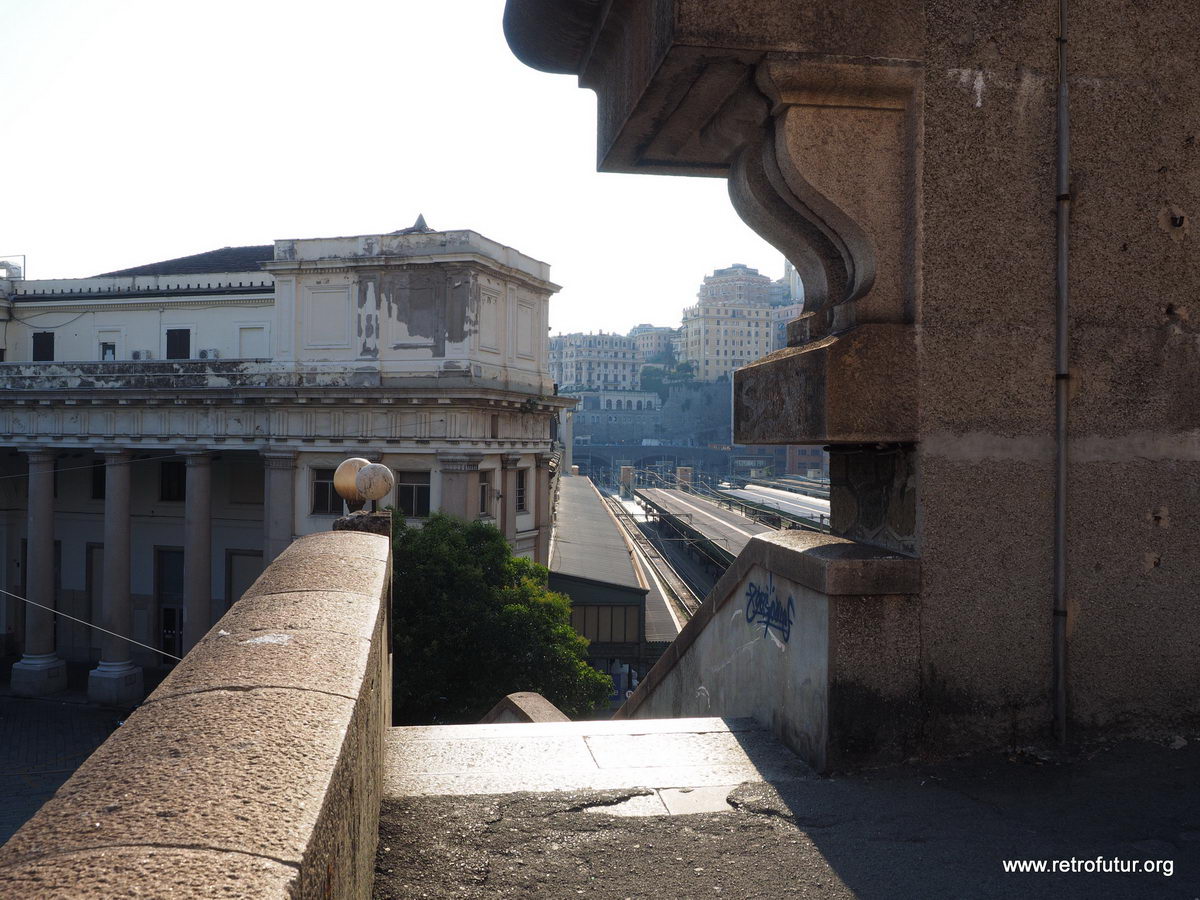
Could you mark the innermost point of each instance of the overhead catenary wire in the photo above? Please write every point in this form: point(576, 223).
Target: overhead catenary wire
point(64, 615)
point(93, 465)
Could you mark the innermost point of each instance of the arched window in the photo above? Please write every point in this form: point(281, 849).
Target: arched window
point(639, 404)
point(608, 404)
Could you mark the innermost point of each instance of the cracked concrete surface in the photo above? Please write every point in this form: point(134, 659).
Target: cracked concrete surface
point(936, 830)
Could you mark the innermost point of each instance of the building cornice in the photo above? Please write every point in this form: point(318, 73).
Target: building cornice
point(107, 302)
point(283, 268)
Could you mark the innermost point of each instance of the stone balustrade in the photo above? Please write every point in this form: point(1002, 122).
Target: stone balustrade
point(255, 768)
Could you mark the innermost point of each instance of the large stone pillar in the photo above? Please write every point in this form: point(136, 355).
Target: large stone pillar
point(39, 671)
point(683, 478)
point(542, 509)
point(197, 549)
point(509, 464)
point(460, 484)
point(279, 502)
point(116, 681)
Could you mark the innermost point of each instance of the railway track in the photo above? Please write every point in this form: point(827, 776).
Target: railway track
point(685, 600)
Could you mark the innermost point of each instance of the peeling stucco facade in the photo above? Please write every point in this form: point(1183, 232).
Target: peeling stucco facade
point(424, 351)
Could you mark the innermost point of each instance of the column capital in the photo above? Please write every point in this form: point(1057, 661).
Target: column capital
point(544, 460)
point(278, 459)
point(114, 453)
point(39, 453)
point(510, 461)
point(459, 462)
point(194, 453)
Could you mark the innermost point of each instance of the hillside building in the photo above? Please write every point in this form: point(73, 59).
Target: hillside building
point(594, 362)
point(653, 342)
point(731, 324)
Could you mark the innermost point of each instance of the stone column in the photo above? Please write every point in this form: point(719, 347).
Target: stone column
point(279, 502)
point(116, 681)
point(542, 513)
point(197, 549)
point(460, 484)
point(509, 464)
point(626, 479)
point(39, 671)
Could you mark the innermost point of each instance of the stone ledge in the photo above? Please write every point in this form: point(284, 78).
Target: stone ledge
point(824, 563)
point(524, 706)
point(857, 387)
point(317, 563)
point(102, 875)
point(265, 744)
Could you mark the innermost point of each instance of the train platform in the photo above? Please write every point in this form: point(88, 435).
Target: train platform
point(725, 531)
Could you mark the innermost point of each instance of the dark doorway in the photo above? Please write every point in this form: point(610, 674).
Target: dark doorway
point(179, 343)
point(168, 592)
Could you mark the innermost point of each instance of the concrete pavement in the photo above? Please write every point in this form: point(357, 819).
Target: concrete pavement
point(922, 830)
point(41, 743)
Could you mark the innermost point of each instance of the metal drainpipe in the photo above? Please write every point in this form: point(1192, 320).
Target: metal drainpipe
point(1061, 376)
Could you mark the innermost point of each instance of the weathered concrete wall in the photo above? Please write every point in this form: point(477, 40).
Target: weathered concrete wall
point(255, 768)
point(902, 155)
point(813, 636)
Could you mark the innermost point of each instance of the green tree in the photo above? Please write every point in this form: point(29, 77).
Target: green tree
point(472, 623)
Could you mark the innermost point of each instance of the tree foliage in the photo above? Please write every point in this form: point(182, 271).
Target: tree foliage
point(473, 623)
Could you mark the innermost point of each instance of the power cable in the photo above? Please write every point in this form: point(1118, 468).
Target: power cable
point(56, 612)
point(93, 466)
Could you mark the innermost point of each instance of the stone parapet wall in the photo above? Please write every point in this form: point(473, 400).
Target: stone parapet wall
point(255, 768)
point(814, 636)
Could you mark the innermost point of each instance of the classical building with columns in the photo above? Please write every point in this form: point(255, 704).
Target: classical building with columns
point(167, 430)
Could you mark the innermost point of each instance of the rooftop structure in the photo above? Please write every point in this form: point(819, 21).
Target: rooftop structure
point(179, 423)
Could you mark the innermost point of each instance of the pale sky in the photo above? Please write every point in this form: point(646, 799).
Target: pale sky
point(140, 130)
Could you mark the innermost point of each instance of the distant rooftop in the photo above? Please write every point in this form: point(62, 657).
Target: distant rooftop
point(588, 542)
point(227, 259)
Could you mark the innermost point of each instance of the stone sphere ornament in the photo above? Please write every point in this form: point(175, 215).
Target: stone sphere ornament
point(374, 481)
point(345, 482)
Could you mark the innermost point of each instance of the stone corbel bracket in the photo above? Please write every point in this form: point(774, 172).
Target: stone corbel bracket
point(812, 111)
point(832, 182)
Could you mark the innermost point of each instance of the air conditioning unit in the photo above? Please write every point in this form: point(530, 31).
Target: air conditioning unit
point(211, 353)
point(141, 355)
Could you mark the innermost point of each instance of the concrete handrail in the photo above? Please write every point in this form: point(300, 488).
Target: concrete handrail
point(255, 768)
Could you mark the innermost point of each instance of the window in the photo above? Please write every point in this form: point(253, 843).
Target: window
point(412, 494)
point(495, 425)
point(485, 493)
point(98, 480)
point(325, 500)
point(179, 343)
point(520, 499)
point(108, 350)
point(43, 346)
point(172, 480)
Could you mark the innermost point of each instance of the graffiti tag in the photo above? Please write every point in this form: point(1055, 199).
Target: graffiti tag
point(765, 609)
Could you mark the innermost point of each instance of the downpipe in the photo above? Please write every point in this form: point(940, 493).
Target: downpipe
point(1061, 381)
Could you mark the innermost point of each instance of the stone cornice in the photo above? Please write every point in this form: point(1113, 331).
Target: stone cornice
point(105, 304)
point(285, 268)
